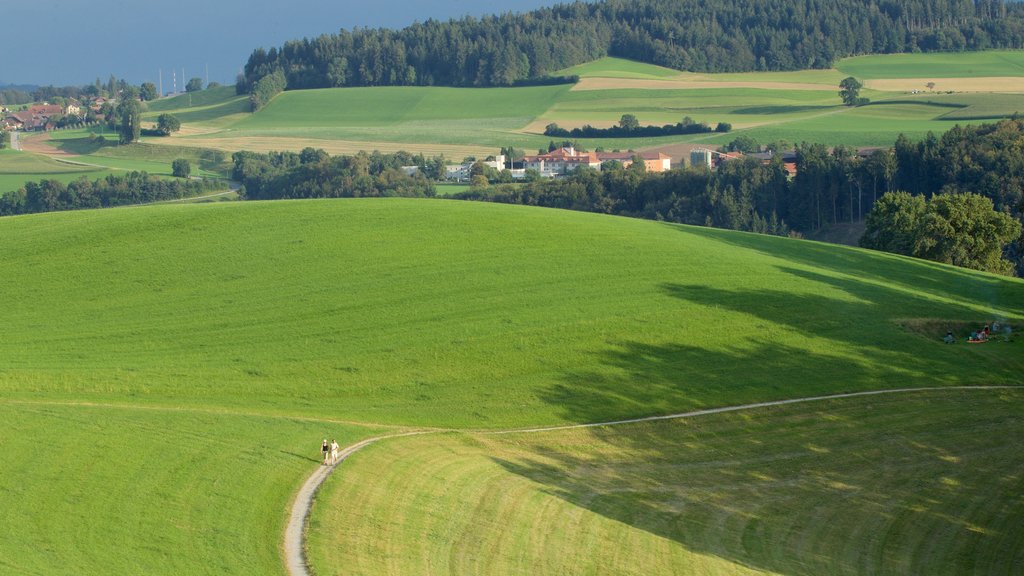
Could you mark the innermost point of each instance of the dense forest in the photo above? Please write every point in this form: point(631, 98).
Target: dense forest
point(696, 35)
point(114, 190)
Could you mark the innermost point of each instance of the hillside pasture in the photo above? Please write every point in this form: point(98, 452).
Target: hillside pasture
point(128, 490)
point(920, 483)
point(881, 121)
point(200, 99)
point(17, 168)
point(933, 65)
point(80, 147)
point(170, 370)
point(417, 312)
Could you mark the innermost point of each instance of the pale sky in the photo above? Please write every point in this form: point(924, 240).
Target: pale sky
point(64, 42)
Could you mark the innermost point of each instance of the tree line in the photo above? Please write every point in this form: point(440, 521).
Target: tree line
point(313, 173)
point(696, 35)
point(832, 186)
point(113, 190)
point(629, 127)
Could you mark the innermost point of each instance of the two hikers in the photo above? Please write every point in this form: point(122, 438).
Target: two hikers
point(330, 452)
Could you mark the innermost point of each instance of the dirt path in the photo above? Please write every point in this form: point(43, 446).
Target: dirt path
point(294, 539)
point(294, 533)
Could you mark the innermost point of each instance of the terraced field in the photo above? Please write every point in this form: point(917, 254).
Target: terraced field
point(189, 359)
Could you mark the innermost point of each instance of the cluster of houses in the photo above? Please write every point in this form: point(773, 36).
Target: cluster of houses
point(44, 116)
point(713, 158)
point(556, 163)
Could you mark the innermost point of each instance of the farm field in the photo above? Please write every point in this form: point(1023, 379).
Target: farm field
point(17, 167)
point(922, 483)
point(457, 122)
point(80, 146)
point(193, 356)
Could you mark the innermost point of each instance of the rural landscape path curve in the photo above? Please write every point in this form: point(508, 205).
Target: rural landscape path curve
point(294, 533)
point(294, 541)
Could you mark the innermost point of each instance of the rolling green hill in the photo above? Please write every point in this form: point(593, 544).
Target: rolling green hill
point(189, 359)
point(464, 314)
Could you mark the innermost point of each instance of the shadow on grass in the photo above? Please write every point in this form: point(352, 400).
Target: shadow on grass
point(898, 273)
point(766, 110)
point(887, 485)
point(301, 457)
point(840, 487)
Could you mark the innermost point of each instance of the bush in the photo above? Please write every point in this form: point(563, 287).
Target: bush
point(181, 168)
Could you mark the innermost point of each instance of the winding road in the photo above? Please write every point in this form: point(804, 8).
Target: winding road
point(294, 543)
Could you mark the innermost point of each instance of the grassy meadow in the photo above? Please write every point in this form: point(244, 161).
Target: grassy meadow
point(170, 370)
point(128, 490)
point(17, 168)
point(923, 483)
point(418, 313)
point(987, 63)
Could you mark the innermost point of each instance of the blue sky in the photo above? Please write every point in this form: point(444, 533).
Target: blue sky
point(60, 42)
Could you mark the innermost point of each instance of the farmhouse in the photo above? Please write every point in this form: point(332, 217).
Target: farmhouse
point(561, 161)
point(564, 160)
point(46, 110)
point(653, 161)
point(23, 121)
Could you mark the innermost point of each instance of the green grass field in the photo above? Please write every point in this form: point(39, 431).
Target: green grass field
point(151, 155)
point(170, 370)
point(927, 483)
point(401, 331)
point(127, 490)
point(17, 168)
point(202, 98)
point(935, 65)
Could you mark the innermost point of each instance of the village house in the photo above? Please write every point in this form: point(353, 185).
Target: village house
point(560, 162)
point(653, 161)
point(23, 120)
point(567, 159)
point(713, 158)
point(46, 110)
point(73, 108)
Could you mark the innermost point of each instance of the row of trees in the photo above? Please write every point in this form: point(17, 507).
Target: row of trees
point(113, 190)
point(313, 173)
point(697, 35)
point(629, 127)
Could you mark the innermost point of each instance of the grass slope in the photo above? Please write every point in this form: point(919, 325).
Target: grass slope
point(461, 314)
point(986, 63)
point(927, 483)
point(17, 168)
point(123, 490)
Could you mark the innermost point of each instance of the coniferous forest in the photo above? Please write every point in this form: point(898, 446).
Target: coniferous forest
point(695, 35)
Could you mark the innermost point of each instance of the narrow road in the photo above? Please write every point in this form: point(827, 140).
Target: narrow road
point(15, 141)
point(294, 544)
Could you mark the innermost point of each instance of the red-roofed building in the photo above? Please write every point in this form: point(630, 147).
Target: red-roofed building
point(561, 161)
point(653, 161)
point(46, 110)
